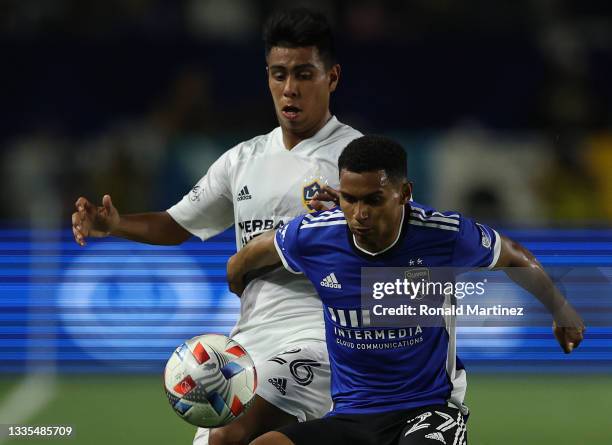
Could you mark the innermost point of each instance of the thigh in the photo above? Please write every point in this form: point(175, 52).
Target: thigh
point(334, 430)
point(437, 424)
point(297, 381)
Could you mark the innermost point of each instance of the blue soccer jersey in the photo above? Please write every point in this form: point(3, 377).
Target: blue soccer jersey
point(378, 369)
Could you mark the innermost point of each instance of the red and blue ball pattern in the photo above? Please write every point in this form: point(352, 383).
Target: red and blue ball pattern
point(210, 380)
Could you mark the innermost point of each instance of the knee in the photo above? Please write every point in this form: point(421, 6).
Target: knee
point(227, 436)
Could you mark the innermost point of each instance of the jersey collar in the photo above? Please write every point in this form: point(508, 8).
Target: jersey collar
point(315, 140)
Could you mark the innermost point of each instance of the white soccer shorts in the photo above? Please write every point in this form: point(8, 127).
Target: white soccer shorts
point(295, 380)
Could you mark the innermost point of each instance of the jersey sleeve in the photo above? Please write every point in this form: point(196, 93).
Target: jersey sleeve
point(208, 208)
point(286, 243)
point(477, 245)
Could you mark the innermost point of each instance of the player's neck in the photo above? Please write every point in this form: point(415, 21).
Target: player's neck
point(292, 138)
point(388, 242)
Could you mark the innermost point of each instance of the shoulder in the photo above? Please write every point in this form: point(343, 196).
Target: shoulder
point(446, 224)
point(342, 134)
point(338, 135)
point(328, 222)
point(341, 130)
point(324, 218)
point(313, 228)
point(253, 147)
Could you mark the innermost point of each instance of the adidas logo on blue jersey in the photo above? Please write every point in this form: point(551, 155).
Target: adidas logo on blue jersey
point(331, 281)
point(244, 194)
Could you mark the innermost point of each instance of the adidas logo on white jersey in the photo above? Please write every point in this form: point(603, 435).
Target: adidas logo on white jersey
point(244, 194)
point(280, 384)
point(331, 281)
point(436, 436)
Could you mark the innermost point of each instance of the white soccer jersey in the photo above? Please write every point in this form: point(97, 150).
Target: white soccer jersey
point(259, 185)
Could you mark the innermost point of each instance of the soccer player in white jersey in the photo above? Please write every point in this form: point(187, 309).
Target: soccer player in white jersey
point(390, 386)
point(259, 185)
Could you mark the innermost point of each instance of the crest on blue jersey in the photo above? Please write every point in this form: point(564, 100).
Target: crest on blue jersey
point(308, 192)
point(418, 274)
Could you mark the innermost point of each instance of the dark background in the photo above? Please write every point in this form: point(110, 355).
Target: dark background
point(137, 97)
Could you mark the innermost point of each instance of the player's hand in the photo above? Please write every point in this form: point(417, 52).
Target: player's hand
point(235, 276)
point(568, 338)
point(326, 194)
point(568, 328)
point(94, 221)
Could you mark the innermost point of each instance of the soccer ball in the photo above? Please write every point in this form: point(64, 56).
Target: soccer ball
point(210, 380)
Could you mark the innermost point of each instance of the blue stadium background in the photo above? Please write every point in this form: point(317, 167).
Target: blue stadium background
point(122, 307)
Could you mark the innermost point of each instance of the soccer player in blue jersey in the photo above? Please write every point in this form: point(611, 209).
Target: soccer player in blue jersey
point(389, 385)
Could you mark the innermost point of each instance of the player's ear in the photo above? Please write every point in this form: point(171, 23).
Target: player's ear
point(334, 77)
point(406, 191)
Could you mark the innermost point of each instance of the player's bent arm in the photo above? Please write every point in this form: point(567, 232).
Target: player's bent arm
point(151, 228)
point(90, 220)
point(260, 252)
point(568, 326)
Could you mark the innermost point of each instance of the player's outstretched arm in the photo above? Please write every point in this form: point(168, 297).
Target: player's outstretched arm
point(90, 220)
point(568, 326)
point(260, 252)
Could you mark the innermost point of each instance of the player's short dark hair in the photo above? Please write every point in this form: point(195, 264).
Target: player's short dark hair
point(372, 153)
point(300, 27)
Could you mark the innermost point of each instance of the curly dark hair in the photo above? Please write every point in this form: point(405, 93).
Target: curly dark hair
point(371, 153)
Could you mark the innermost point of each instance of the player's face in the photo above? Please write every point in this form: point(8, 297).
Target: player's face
point(300, 86)
point(372, 205)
